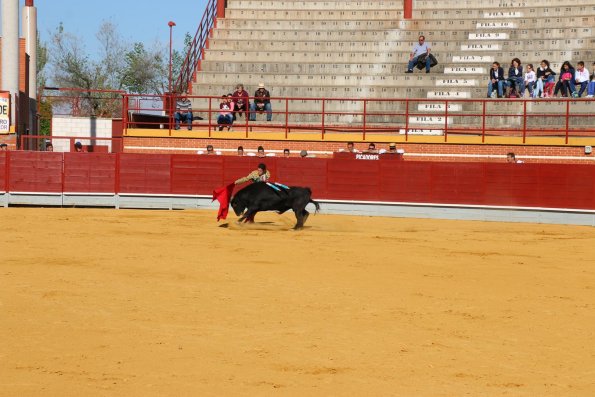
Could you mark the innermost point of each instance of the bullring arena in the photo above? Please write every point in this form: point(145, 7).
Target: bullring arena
point(454, 259)
point(153, 303)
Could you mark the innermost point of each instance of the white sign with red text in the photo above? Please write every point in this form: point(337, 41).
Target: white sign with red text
point(4, 112)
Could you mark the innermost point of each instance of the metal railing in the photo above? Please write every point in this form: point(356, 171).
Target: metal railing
point(196, 51)
point(523, 118)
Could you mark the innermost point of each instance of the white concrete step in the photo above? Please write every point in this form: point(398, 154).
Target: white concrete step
point(472, 59)
point(456, 83)
point(496, 25)
point(481, 47)
point(489, 36)
point(428, 120)
point(448, 94)
point(421, 131)
point(464, 70)
point(439, 107)
point(503, 14)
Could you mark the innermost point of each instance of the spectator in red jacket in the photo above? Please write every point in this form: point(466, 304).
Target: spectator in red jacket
point(241, 101)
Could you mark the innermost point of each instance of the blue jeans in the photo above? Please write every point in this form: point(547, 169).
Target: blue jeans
point(584, 85)
point(591, 88)
point(267, 108)
point(519, 83)
point(225, 119)
point(183, 117)
point(499, 85)
point(413, 62)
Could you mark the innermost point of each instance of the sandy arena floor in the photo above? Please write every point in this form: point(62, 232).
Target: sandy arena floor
point(165, 303)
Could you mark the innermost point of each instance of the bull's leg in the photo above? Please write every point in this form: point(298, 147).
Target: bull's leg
point(248, 216)
point(306, 214)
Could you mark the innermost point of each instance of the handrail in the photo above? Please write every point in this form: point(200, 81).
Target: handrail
point(400, 116)
point(196, 51)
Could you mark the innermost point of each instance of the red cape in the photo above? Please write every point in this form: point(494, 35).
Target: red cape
point(223, 195)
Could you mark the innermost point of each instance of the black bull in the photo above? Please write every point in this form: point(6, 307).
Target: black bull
point(261, 197)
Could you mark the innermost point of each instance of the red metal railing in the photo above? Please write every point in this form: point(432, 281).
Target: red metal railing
point(558, 117)
point(199, 44)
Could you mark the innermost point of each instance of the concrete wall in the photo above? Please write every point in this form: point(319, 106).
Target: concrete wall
point(80, 127)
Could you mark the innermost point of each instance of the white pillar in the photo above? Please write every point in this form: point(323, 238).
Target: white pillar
point(29, 28)
point(10, 51)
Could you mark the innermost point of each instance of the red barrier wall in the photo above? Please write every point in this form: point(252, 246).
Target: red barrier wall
point(526, 185)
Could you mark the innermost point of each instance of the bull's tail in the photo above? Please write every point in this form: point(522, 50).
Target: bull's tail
point(315, 205)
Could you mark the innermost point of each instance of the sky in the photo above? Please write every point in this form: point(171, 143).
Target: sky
point(137, 20)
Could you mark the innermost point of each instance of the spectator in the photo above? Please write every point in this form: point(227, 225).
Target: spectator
point(371, 149)
point(511, 158)
point(421, 48)
point(515, 78)
point(241, 101)
point(565, 84)
point(183, 112)
point(261, 174)
point(581, 77)
point(225, 117)
point(591, 87)
point(530, 80)
point(3, 147)
point(351, 148)
point(497, 80)
point(210, 150)
point(261, 103)
point(260, 152)
point(545, 76)
point(49, 147)
point(392, 148)
point(304, 154)
point(285, 152)
point(240, 150)
point(78, 147)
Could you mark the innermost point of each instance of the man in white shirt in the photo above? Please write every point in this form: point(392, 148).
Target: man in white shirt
point(581, 77)
point(419, 49)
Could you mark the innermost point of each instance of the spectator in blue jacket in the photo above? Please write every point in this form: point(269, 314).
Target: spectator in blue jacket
point(497, 80)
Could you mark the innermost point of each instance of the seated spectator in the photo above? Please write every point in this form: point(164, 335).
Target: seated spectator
point(581, 78)
point(225, 117)
point(78, 147)
point(511, 158)
point(591, 86)
point(304, 154)
point(371, 149)
point(241, 101)
point(545, 80)
point(260, 152)
point(286, 153)
point(49, 147)
point(530, 80)
point(515, 79)
point(240, 150)
point(3, 147)
point(421, 48)
point(261, 103)
point(497, 80)
point(183, 111)
point(565, 85)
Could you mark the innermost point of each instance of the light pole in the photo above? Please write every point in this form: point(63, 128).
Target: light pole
point(171, 24)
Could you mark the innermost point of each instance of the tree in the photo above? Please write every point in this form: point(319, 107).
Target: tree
point(144, 70)
point(178, 57)
point(117, 68)
point(45, 105)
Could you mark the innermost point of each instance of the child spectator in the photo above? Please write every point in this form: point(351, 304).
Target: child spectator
point(515, 77)
point(545, 76)
point(565, 84)
point(225, 112)
point(591, 87)
point(496, 80)
point(530, 80)
point(581, 77)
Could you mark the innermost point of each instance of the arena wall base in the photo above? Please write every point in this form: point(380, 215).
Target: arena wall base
point(357, 208)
